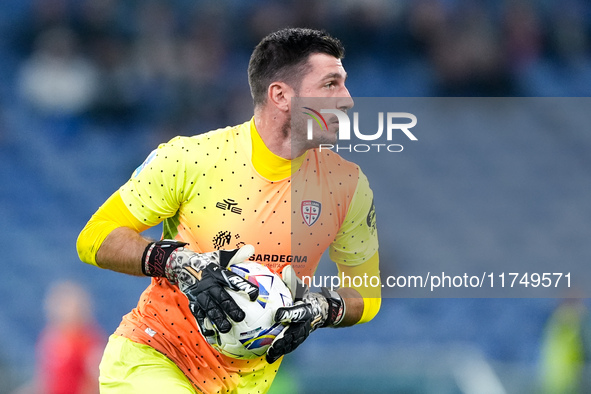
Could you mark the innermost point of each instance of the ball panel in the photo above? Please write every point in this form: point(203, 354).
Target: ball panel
point(251, 337)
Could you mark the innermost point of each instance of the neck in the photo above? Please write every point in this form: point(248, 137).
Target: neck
point(268, 164)
point(275, 131)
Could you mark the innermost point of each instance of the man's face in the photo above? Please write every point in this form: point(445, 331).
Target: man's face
point(325, 80)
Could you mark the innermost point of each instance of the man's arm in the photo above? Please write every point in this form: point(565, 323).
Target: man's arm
point(104, 243)
point(364, 299)
point(111, 239)
point(355, 252)
point(353, 306)
point(122, 251)
point(346, 307)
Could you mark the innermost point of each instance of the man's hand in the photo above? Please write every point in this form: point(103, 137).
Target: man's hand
point(203, 278)
point(310, 311)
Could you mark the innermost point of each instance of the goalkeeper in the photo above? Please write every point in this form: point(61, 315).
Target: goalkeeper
point(260, 183)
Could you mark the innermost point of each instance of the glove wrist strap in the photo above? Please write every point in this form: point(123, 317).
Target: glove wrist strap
point(156, 256)
point(336, 307)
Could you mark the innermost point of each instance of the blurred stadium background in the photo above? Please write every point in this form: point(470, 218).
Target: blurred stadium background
point(88, 88)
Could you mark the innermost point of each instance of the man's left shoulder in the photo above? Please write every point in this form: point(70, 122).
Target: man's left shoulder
point(335, 163)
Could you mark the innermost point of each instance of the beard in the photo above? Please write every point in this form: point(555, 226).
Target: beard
point(286, 127)
point(297, 128)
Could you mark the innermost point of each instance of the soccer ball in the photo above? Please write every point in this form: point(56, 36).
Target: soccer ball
point(252, 337)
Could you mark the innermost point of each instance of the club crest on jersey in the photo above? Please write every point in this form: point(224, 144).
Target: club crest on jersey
point(311, 211)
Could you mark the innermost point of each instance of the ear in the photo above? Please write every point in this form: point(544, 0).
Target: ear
point(279, 94)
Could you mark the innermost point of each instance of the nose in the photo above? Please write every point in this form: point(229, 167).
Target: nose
point(345, 102)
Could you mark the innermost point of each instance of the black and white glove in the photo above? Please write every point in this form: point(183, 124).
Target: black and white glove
point(309, 311)
point(203, 278)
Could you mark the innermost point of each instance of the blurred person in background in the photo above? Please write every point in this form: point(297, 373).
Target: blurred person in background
point(57, 79)
point(58, 83)
point(70, 345)
point(566, 349)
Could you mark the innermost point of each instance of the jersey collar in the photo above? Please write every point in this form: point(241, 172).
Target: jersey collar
point(267, 163)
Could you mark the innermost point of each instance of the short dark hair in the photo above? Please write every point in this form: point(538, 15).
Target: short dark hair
point(283, 56)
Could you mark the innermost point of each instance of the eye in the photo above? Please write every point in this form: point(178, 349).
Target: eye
point(330, 84)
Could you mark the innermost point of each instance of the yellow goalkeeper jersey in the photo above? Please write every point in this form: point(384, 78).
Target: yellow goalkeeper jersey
point(211, 192)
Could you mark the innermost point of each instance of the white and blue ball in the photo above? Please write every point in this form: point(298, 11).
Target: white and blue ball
point(252, 337)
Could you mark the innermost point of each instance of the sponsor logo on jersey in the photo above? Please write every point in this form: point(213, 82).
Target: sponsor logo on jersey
point(282, 258)
point(311, 211)
point(225, 238)
point(221, 239)
point(229, 204)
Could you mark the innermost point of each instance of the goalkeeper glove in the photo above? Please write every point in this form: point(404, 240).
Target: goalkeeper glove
point(202, 277)
point(310, 311)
